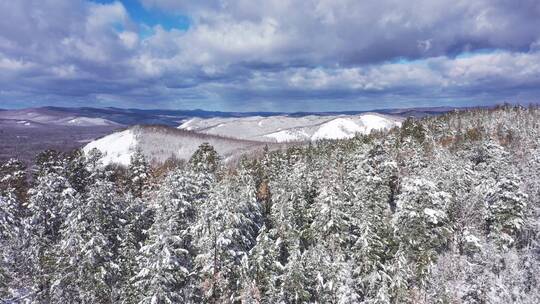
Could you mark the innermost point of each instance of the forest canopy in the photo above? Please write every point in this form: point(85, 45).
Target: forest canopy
point(444, 209)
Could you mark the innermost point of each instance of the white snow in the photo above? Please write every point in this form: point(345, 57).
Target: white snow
point(24, 123)
point(117, 147)
point(434, 216)
point(284, 128)
point(89, 121)
point(288, 136)
point(375, 122)
point(338, 128)
point(187, 125)
point(471, 239)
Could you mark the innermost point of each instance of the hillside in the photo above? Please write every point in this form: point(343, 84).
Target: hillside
point(158, 143)
point(291, 128)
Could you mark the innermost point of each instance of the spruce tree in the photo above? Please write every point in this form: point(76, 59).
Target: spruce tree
point(166, 267)
point(421, 222)
point(205, 159)
point(9, 231)
point(13, 179)
point(46, 216)
point(138, 174)
point(505, 211)
point(227, 227)
point(88, 250)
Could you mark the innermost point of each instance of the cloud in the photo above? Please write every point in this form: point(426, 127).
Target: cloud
point(285, 54)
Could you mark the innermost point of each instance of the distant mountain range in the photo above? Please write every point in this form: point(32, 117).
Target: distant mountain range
point(173, 118)
point(285, 128)
point(25, 132)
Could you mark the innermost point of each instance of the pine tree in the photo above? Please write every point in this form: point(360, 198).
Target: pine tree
point(137, 218)
point(166, 265)
point(205, 158)
point(138, 174)
point(48, 161)
point(13, 179)
point(505, 210)
point(9, 231)
point(88, 249)
point(264, 269)
point(77, 170)
point(46, 215)
point(421, 222)
point(227, 227)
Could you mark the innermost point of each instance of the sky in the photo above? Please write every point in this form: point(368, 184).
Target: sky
point(271, 55)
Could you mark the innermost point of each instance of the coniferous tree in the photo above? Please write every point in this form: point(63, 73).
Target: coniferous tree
point(42, 226)
point(13, 179)
point(137, 218)
point(205, 159)
point(88, 250)
point(166, 260)
point(505, 214)
point(9, 231)
point(226, 226)
point(421, 222)
point(138, 174)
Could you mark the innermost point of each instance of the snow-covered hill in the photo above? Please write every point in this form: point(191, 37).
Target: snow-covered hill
point(90, 121)
point(287, 128)
point(158, 143)
point(116, 148)
point(27, 117)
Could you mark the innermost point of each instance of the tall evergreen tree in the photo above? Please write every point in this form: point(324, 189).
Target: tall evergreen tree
point(505, 210)
point(138, 174)
point(46, 216)
point(9, 231)
point(166, 262)
point(421, 222)
point(227, 227)
point(205, 158)
point(88, 250)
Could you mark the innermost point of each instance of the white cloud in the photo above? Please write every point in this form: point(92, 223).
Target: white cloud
point(272, 50)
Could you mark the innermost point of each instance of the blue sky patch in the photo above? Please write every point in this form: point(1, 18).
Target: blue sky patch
point(152, 17)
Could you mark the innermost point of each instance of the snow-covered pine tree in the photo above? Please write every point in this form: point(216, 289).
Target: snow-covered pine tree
point(332, 222)
point(421, 223)
point(227, 233)
point(264, 269)
point(137, 218)
point(88, 251)
point(9, 231)
point(46, 216)
point(166, 267)
point(137, 174)
point(205, 159)
point(13, 179)
point(505, 210)
point(372, 191)
point(299, 281)
point(47, 162)
point(77, 170)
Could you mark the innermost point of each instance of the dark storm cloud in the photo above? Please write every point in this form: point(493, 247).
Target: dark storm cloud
point(276, 53)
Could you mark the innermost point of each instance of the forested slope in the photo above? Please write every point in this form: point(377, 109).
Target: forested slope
point(442, 210)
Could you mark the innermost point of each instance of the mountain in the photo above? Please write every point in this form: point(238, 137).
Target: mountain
point(293, 129)
point(158, 143)
point(50, 116)
point(25, 132)
point(128, 117)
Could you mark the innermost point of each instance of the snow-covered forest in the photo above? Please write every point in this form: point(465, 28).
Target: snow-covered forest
point(442, 210)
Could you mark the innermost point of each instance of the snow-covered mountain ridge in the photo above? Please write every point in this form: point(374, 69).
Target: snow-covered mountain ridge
point(232, 137)
point(159, 143)
point(293, 129)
